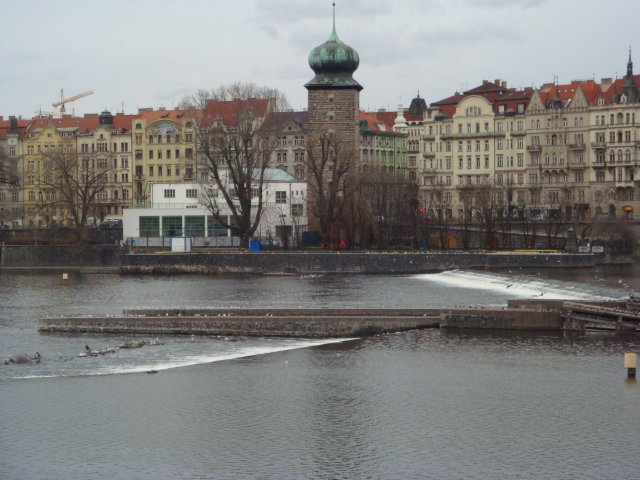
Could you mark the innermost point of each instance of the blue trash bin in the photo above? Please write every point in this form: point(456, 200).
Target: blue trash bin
point(254, 246)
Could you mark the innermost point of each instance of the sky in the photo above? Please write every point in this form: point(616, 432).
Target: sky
point(151, 53)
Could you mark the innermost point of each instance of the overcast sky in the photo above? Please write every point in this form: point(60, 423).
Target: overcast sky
point(150, 53)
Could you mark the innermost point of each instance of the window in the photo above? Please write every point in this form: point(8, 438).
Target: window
point(171, 226)
point(149, 226)
point(151, 170)
point(297, 209)
point(194, 225)
point(215, 228)
point(281, 197)
point(192, 193)
point(500, 161)
point(150, 154)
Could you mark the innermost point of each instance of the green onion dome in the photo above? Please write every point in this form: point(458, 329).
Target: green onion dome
point(334, 63)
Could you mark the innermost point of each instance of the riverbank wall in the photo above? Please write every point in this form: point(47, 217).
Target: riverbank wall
point(343, 262)
point(62, 257)
point(115, 259)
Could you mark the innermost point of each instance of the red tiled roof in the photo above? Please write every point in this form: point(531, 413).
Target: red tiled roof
point(615, 90)
point(567, 91)
point(486, 87)
point(5, 126)
point(154, 115)
point(64, 122)
point(372, 121)
point(228, 110)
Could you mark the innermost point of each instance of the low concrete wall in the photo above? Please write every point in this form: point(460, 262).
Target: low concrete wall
point(60, 256)
point(289, 326)
point(520, 319)
point(302, 322)
point(342, 262)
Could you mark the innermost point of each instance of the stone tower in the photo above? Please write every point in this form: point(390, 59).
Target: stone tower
point(334, 96)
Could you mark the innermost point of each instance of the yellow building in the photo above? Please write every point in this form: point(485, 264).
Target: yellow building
point(164, 150)
point(46, 140)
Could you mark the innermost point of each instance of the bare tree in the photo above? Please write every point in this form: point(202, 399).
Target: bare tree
point(69, 186)
point(237, 153)
point(236, 91)
point(439, 210)
point(332, 181)
point(8, 169)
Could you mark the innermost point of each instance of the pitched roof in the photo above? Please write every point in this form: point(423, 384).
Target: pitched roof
point(615, 90)
point(277, 120)
point(486, 87)
point(5, 127)
point(229, 110)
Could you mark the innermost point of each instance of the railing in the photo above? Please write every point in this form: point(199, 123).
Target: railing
point(576, 146)
point(534, 148)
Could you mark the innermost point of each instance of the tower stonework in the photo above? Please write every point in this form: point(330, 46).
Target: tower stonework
point(333, 94)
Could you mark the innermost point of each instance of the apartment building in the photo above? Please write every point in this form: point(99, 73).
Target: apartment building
point(164, 150)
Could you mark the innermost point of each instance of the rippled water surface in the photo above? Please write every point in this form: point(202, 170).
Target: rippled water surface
point(423, 404)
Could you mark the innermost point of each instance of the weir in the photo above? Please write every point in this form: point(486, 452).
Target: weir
point(550, 315)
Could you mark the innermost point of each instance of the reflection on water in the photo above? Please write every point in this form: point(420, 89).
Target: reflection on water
point(421, 404)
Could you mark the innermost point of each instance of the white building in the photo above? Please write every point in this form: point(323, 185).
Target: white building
point(178, 209)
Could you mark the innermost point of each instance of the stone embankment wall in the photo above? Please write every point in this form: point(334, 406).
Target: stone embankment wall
point(342, 262)
point(61, 256)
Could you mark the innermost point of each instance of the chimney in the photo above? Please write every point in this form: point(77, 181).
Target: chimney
point(504, 84)
point(484, 82)
point(605, 83)
point(497, 81)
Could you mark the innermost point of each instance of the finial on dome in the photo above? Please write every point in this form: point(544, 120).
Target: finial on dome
point(334, 62)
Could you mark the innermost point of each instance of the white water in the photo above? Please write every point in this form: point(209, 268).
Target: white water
point(524, 286)
point(177, 361)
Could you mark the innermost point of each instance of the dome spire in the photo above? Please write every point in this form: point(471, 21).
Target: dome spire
point(333, 62)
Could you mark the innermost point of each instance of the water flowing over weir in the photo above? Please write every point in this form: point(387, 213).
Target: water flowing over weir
point(417, 404)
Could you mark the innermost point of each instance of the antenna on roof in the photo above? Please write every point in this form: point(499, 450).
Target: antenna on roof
point(122, 107)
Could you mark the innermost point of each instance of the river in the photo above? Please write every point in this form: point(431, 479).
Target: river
point(421, 404)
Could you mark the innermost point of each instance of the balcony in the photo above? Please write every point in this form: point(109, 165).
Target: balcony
point(534, 148)
point(473, 135)
point(576, 146)
point(429, 154)
point(596, 145)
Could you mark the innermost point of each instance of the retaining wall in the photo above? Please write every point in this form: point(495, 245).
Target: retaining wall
point(342, 262)
point(60, 256)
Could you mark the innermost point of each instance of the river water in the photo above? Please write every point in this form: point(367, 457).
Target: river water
point(421, 404)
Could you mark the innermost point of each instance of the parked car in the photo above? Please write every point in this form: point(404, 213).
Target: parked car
point(111, 224)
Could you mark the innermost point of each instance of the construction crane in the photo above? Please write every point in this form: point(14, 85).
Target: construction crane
point(63, 100)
